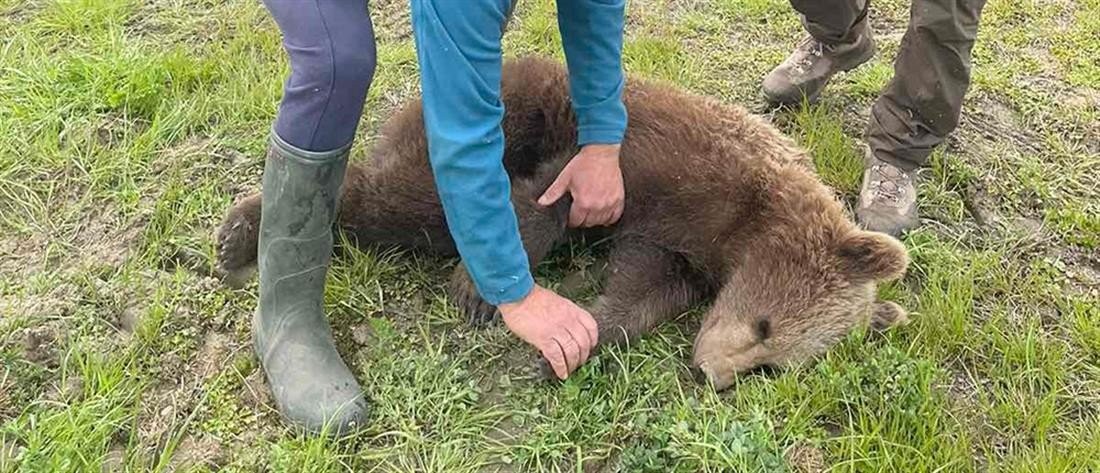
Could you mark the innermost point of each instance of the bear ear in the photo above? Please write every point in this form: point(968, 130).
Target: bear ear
point(872, 256)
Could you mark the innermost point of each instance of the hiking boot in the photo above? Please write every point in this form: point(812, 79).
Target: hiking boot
point(806, 71)
point(888, 198)
point(312, 386)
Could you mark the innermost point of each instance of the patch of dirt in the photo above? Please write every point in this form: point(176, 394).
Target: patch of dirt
point(391, 20)
point(192, 452)
point(8, 409)
point(362, 334)
point(964, 388)
point(21, 255)
point(65, 392)
point(128, 319)
point(114, 128)
point(163, 407)
point(805, 458)
point(1087, 99)
point(59, 302)
point(182, 22)
point(256, 393)
point(1029, 226)
point(190, 259)
point(996, 122)
point(149, 20)
point(19, 12)
point(114, 460)
point(104, 240)
point(183, 375)
point(1082, 269)
point(40, 345)
point(101, 239)
point(9, 451)
point(213, 355)
point(981, 206)
point(34, 335)
point(205, 159)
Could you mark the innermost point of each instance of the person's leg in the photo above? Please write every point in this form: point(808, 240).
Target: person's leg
point(918, 109)
point(838, 40)
point(332, 58)
point(831, 22)
point(331, 49)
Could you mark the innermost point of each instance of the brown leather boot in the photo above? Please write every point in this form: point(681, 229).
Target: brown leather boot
point(806, 71)
point(888, 198)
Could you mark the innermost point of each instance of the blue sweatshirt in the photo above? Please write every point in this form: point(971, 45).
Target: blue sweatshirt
point(458, 45)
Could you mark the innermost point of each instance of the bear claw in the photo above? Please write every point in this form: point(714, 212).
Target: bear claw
point(544, 371)
point(237, 239)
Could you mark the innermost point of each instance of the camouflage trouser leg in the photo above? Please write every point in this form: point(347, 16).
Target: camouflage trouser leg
point(921, 105)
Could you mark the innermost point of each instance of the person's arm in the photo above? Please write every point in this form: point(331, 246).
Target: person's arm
point(592, 34)
point(458, 47)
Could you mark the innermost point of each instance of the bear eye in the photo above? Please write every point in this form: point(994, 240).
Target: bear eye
point(763, 328)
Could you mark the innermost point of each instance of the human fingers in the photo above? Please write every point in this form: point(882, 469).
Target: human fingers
point(570, 348)
point(584, 344)
point(551, 351)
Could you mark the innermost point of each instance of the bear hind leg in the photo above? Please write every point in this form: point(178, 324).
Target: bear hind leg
point(392, 206)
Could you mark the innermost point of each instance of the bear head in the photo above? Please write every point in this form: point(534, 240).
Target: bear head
point(787, 302)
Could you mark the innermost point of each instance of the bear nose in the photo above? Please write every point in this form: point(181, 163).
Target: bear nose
point(699, 375)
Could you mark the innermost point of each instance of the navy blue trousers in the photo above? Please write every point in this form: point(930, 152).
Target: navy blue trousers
point(332, 58)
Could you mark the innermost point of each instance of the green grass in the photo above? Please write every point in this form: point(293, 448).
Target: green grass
point(836, 157)
point(126, 129)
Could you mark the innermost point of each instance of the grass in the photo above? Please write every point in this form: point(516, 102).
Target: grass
point(126, 129)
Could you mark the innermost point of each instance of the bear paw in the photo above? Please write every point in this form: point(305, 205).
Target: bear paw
point(545, 372)
point(463, 294)
point(886, 314)
point(237, 239)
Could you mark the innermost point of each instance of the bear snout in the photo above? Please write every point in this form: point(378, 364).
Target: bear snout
point(699, 375)
point(709, 373)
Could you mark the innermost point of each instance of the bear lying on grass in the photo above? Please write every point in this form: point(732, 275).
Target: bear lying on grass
point(720, 208)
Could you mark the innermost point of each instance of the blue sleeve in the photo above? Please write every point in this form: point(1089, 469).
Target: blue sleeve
point(458, 47)
point(592, 35)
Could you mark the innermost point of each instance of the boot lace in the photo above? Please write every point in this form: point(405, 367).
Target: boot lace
point(888, 183)
point(808, 51)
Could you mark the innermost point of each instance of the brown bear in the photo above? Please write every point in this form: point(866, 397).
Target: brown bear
point(720, 208)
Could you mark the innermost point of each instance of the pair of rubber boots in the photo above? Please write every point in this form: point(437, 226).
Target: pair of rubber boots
point(312, 386)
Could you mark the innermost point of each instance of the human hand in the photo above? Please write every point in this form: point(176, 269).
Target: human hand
point(595, 181)
point(563, 332)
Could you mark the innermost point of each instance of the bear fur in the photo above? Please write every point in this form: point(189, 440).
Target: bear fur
point(720, 208)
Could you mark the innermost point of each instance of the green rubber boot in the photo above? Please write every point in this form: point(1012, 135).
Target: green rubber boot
point(312, 386)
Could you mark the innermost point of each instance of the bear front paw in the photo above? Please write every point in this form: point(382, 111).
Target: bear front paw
point(464, 295)
point(886, 314)
point(237, 239)
point(545, 372)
